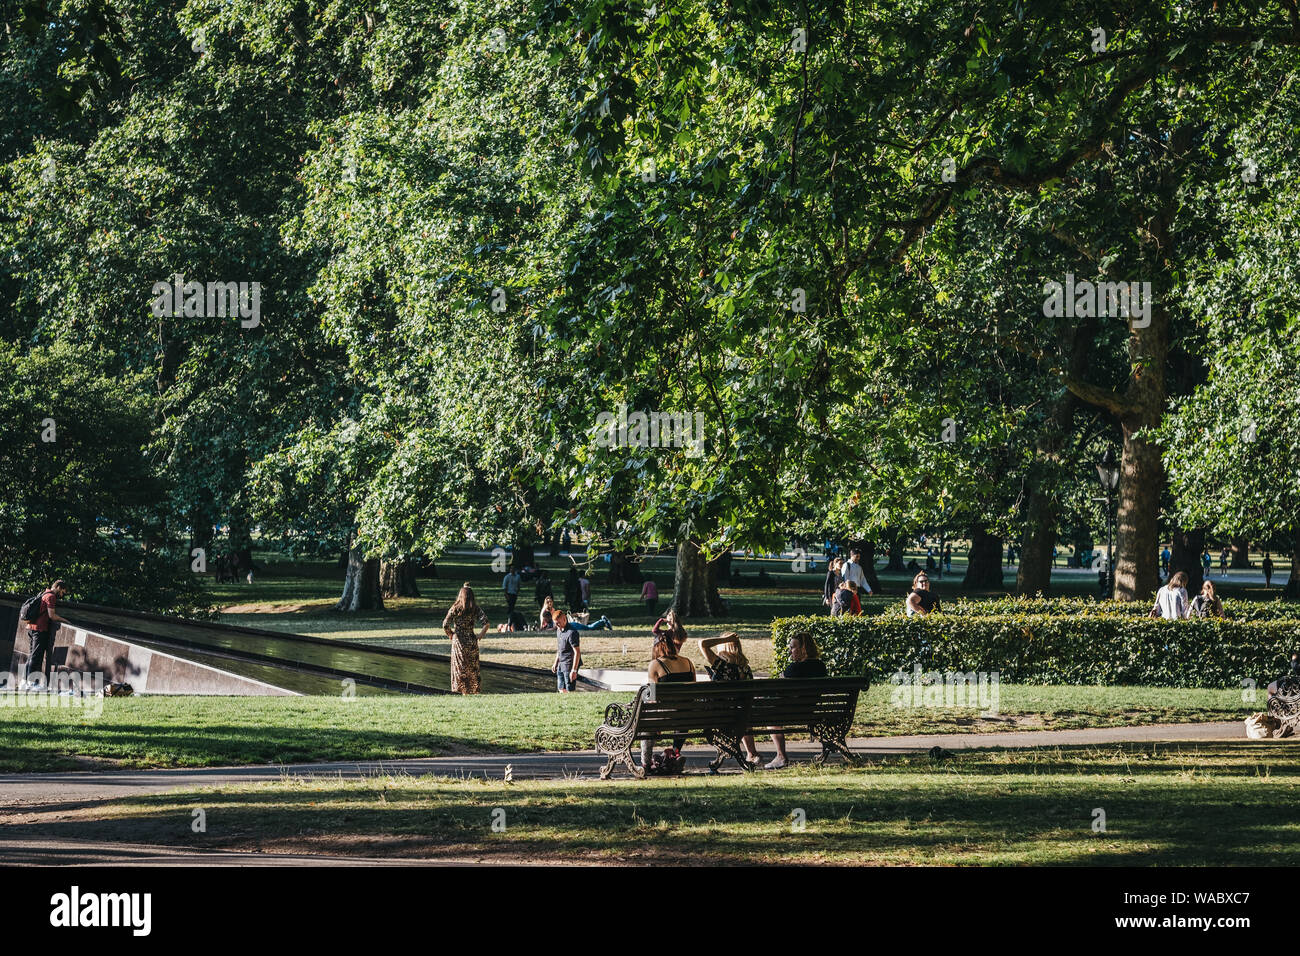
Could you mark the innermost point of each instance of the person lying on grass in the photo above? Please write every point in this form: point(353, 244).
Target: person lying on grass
point(725, 660)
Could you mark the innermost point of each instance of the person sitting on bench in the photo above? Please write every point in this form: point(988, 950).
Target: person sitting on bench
point(670, 667)
point(805, 661)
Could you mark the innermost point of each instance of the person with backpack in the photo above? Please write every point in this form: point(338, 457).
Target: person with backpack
point(39, 614)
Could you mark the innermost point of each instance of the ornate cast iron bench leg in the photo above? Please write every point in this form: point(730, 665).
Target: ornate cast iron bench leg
point(614, 739)
point(728, 745)
point(832, 739)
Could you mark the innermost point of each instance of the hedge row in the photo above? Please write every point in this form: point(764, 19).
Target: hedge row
point(1113, 649)
point(991, 607)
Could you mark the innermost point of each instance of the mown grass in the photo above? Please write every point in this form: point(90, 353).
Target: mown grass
point(1166, 804)
point(214, 731)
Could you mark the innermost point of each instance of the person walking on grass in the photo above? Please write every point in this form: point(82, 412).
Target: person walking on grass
point(1268, 570)
point(650, 594)
point(805, 662)
point(462, 618)
point(510, 587)
point(833, 579)
point(853, 572)
point(40, 632)
point(668, 667)
point(1171, 600)
point(568, 654)
point(725, 660)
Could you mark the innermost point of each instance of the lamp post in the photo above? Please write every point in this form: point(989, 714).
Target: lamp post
point(1108, 472)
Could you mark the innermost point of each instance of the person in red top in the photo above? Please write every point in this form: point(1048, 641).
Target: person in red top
point(40, 632)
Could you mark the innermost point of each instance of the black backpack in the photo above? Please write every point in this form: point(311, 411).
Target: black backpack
point(31, 608)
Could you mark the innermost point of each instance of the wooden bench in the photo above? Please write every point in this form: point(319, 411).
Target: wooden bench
point(722, 712)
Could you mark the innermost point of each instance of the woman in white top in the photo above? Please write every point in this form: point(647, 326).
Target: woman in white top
point(1171, 600)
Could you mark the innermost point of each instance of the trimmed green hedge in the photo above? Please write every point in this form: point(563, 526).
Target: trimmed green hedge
point(1079, 648)
point(990, 607)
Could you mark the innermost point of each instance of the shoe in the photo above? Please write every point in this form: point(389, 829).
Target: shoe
point(776, 763)
point(755, 762)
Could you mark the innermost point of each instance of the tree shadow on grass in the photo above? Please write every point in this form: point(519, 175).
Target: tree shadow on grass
point(904, 815)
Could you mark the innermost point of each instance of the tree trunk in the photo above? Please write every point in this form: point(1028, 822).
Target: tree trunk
point(895, 564)
point(1034, 576)
point(397, 579)
point(1292, 589)
point(722, 568)
point(868, 549)
point(695, 592)
point(1240, 553)
point(361, 586)
point(984, 564)
point(1185, 556)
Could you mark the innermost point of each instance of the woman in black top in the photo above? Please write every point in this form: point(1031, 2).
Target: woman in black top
point(921, 600)
point(805, 661)
point(666, 666)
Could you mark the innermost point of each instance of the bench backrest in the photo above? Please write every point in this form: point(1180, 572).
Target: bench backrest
point(740, 706)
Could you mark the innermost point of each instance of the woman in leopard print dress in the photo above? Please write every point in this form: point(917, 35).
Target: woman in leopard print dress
point(463, 616)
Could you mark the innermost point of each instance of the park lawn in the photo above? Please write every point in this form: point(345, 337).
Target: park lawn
point(1168, 804)
point(214, 731)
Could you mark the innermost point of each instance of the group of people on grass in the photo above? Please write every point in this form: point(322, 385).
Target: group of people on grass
point(846, 583)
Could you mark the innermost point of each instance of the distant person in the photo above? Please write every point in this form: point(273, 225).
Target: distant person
point(1268, 570)
point(852, 571)
point(1164, 560)
point(510, 588)
point(920, 600)
point(40, 632)
point(462, 618)
point(1223, 563)
point(832, 583)
point(650, 594)
point(546, 617)
point(805, 662)
point(572, 593)
point(913, 567)
point(584, 591)
point(1206, 563)
point(947, 559)
point(668, 667)
point(725, 660)
point(543, 588)
point(930, 566)
point(568, 654)
point(1171, 600)
point(1207, 603)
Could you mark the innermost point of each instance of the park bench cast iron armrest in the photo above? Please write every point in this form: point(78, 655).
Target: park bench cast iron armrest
point(1285, 704)
point(725, 711)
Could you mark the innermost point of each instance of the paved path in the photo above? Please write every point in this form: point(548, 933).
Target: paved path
point(50, 791)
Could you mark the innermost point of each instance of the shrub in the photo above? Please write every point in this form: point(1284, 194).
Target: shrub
point(989, 607)
point(1103, 647)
